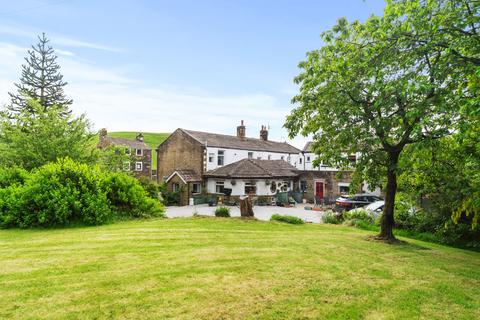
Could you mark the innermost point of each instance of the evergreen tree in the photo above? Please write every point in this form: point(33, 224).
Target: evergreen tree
point(40, 80)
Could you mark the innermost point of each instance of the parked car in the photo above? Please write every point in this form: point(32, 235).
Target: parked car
point(345, 203)
point(375, 208)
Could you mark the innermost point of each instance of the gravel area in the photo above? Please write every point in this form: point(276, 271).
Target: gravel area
point(261, 212)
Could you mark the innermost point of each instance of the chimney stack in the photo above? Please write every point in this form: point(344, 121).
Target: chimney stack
point(139, 137)
point(241, 130)
point(264, 133)
point(102, 134)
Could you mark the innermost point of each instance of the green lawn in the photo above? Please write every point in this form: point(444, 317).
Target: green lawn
point(207, 268)
point(152, 139)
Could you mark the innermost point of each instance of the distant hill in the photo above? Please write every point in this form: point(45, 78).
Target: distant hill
point(152, 139)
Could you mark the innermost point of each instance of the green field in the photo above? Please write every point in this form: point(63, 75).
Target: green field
point(152, 139)
point(213, 268)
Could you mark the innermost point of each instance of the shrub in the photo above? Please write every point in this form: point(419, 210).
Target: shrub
point(9, 176)
point(67, 192)
point(286, 219)
point(151, 187)
point(222, 212)
point(331, 217)
point(358, 214)
point(128, 197)
point(170, 198)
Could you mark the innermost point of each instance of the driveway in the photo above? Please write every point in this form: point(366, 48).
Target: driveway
point(260, 212)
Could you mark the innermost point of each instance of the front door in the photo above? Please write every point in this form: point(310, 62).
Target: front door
point(319, 189)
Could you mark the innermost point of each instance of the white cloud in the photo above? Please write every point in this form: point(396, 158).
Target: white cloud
point(58, 39)
point(114, 100)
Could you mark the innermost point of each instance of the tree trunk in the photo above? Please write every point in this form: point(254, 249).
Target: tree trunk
point(388, 220)
point(246, 207)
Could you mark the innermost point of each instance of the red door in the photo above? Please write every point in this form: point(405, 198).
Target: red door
point(319, 189)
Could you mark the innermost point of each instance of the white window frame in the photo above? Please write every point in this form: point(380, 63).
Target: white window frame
point(250, 184)
point(308, 159)
point(175, 186)
point(139, 154)
point(199, 189)
point(211, 157)
point(137, 166)
point(126, 165)
point(219, 184)
point(221, 155)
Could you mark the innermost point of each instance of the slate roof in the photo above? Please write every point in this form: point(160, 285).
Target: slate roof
point(234, 142)
point(132, 143)
point(308, 147)
point(186, 175)
point(254, 168)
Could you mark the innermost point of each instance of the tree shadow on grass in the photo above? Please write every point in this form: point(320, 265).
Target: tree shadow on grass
point(402, 244)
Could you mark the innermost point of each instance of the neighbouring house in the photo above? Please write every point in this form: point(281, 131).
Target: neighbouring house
point(140, 155)
point(198, 162)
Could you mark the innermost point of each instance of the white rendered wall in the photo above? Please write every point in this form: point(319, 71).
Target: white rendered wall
point(234, 155)
point(239, 188)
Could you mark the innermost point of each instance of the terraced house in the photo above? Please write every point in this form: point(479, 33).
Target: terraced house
point(201, 162)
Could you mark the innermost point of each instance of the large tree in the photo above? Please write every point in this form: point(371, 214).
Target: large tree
point(372, 90)
point(34, 136)
point(40, 80)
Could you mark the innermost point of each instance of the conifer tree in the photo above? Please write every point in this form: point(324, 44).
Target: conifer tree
point(40, 80)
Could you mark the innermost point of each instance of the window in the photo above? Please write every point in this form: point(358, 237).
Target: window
point(196, 188)
point(259, 158)
point(250, 187)
point(250, 155)
point(343, 189)
point(282, 158)
point(289, 159)
point(303, 186)
point(220, 157)
point(211, 157)
point(139, 152)
point(126, 166)
point(220, 185)
point(175, 187)
point(308, 159)
point(269, 157)
point(300, 160)
point(138, 166)
point(127, 151)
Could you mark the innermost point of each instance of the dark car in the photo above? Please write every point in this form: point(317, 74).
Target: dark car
point(345, 203)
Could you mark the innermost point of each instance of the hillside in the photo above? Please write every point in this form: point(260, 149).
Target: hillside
point(152, 139)
point(213, 268)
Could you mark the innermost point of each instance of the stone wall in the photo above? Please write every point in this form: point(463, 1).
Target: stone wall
point(146, 160)
point(179, 151)
point(330, 180)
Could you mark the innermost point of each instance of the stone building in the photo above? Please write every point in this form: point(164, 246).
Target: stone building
point(139, 154)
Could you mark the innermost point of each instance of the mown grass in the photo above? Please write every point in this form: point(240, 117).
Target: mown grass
point(152, 139)
point(216, 268)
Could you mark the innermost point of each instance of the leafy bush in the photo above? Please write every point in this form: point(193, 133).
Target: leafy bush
point(9, 176)
point(222, 212)
point(67, 192)
point(286, 219)
point(331, 217)
point(170, 198)
point(358, 214)
point(151, 187)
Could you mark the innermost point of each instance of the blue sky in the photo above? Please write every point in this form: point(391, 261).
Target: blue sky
point(159, 65)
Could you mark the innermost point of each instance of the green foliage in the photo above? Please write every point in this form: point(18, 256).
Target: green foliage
point(14, 175)
point(222, 212)
point(331, 217)
point(67, 192)
point(287, 219)
point(41, 80)
point(113, 158)
point(358, 214)
point(170, 198)
point(31, 139)
point(151, 187)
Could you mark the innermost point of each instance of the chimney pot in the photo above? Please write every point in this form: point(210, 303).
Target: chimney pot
point(264, 133)
point(241, 130)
